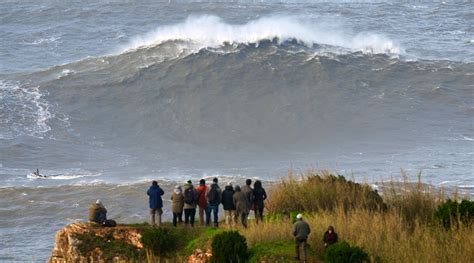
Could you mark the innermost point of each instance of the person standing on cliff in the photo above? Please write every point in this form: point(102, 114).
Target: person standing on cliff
point(202, 201)
point(248, 192)
point(97, 212)
point(259, 196)
point(213, 197)
point(301, 231)
point(156, 203)
point(190, 203)
point(177, 199)
point(241, 205)
point(227, 201)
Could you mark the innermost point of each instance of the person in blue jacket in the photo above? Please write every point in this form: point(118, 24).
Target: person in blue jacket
point(156, 203)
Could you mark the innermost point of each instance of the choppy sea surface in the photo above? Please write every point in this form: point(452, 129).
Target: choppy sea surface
point(105, 96)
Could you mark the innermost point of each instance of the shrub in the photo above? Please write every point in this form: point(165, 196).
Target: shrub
point(229, 246)
point(344, 253)
point(452, 213)
point(415, 202)
point(160, 242)
point(321, 191)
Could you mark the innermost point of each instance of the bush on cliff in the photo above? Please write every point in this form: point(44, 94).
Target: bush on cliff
point(159, 242)
point(452, 213)
point(342, 252)
point(321, 191)
point(229, 247)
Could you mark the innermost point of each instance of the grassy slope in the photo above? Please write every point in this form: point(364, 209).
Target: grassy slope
point(399, 228)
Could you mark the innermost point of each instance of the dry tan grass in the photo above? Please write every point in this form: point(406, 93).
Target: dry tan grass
point(403, 232)
point(320, 191)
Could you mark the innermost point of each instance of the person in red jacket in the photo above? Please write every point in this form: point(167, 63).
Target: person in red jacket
point(202, 201)
point(330, 237)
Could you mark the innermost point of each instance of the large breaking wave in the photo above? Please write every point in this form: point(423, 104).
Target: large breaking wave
point(212, 31)
point(179, 97)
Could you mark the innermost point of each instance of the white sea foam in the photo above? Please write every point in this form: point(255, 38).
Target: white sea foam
point(62, 176)
point(25, 104)
point(466, 138)
point(212, 31)
point(41, 41)
point(66, 72)
point(448, 182)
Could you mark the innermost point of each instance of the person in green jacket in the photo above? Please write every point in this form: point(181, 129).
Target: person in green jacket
point(301, 231)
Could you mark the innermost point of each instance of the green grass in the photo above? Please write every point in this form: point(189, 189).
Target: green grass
point(276, 251)
point(109, 246)
point(201, 238)
point(397, 226)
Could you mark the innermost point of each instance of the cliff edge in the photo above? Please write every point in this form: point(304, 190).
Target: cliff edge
point(70, 242)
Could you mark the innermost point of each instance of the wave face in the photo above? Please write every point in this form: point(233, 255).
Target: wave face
point(170, 103)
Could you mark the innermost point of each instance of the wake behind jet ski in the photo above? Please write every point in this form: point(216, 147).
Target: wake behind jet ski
point(37, 174)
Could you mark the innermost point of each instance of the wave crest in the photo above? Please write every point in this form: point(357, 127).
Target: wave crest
point(211, 31)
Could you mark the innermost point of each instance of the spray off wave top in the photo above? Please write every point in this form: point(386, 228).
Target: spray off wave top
point(211, 31)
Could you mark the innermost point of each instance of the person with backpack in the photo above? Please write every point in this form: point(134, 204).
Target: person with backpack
point(98, 214)
point(190, 202)
point(202, 201)
point(177, 200)
point(213, 197)
point(156, 203)
point(259, 196)
point(241, 205)
point(227, 201)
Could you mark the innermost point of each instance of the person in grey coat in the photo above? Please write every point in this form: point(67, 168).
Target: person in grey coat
point(242, 206)
point(248, 192)
point(301, 231)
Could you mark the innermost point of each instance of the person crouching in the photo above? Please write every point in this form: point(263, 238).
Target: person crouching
point(97, 213)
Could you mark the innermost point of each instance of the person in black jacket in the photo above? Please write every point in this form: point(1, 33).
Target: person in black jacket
point(330, 237)
point(228, 204)
point(259, 196)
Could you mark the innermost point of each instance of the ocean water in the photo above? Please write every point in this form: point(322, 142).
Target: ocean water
point(105, 96)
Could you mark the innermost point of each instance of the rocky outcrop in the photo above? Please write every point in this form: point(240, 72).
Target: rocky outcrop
point(200, 256)
point(66, 245)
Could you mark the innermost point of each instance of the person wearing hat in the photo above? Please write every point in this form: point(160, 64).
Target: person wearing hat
point(301, 231)
point(190, 202)
point(97, 212)
point(177, 200)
